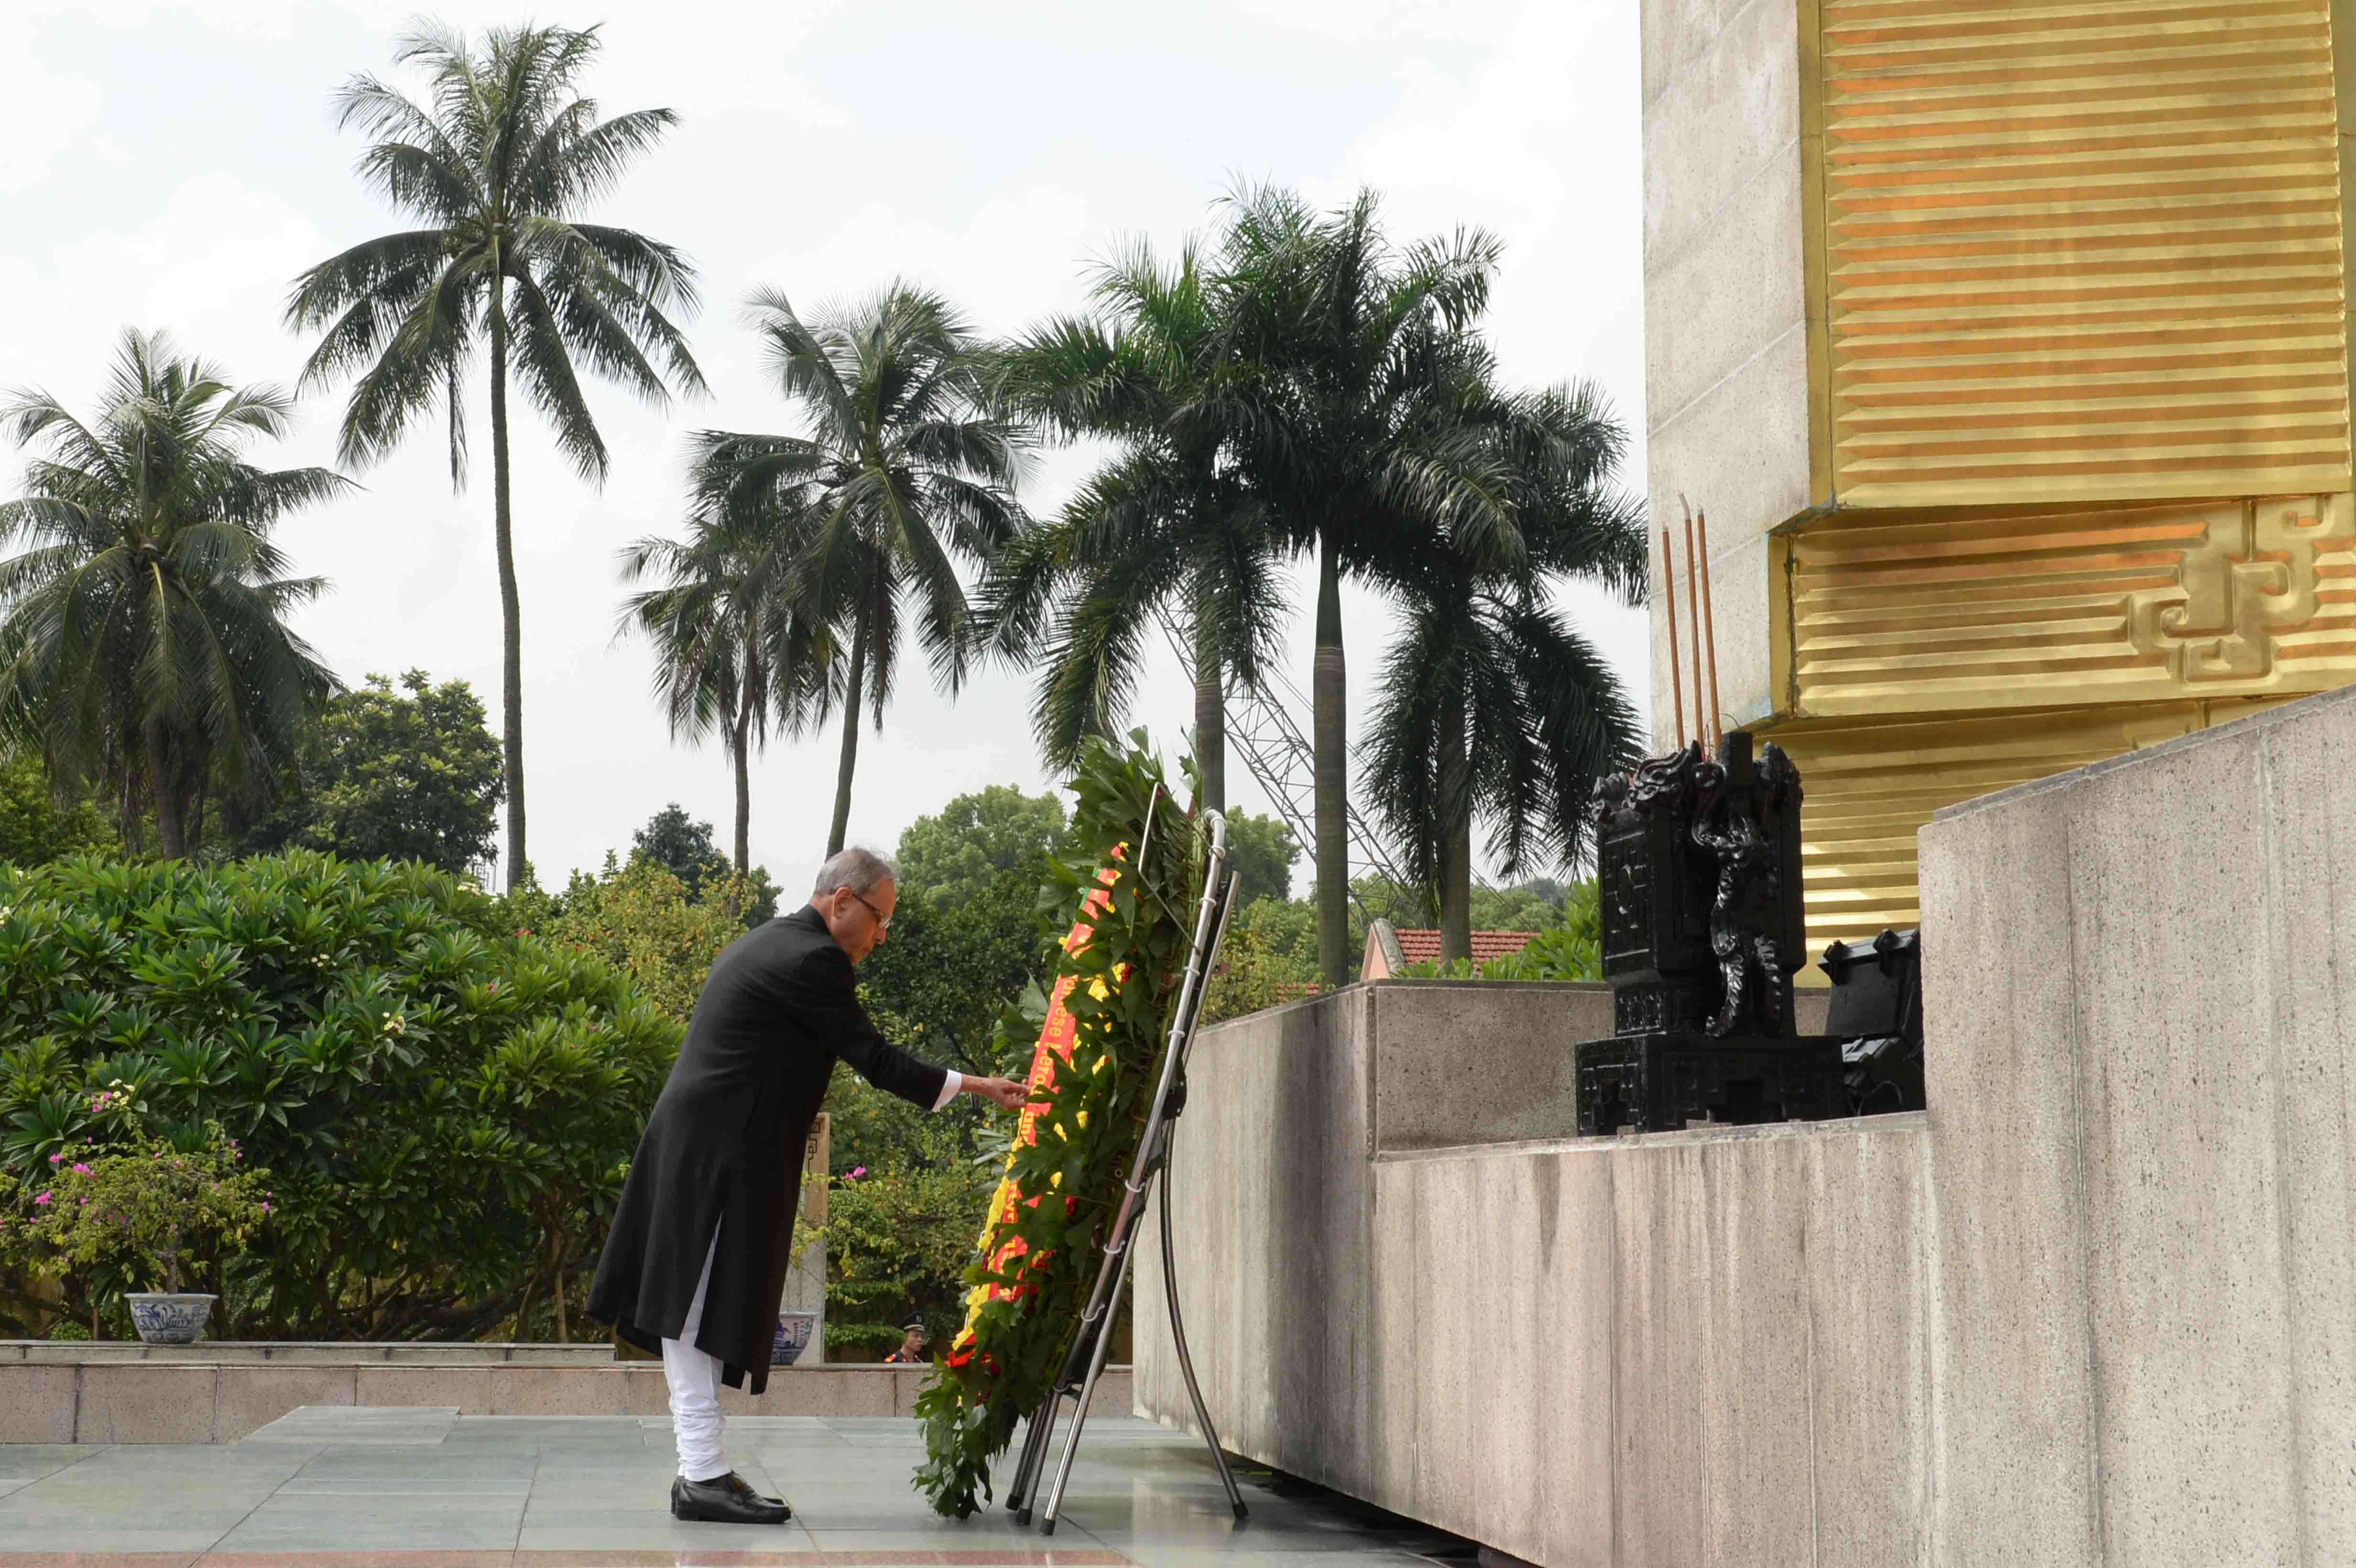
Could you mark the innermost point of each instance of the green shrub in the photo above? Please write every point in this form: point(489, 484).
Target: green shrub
point(446, 1107)
point(861, 1341)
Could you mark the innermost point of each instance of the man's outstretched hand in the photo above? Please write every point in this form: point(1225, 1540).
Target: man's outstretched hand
point(1003, 1093)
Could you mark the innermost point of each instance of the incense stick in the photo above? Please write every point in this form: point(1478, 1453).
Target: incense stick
point(1693, 602)
point(1669, 598)
point(1709, 625)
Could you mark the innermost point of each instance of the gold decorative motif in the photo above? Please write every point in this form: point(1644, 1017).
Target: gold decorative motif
point(2251, 577)
point(1947, 611)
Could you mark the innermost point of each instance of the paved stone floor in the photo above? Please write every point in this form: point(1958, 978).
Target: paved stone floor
point(339, 1487)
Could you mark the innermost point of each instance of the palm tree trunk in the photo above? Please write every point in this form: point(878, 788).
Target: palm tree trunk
point(1328, 691)
point(511, 603)
point(163, 790)
point(1210, 721)
point(740, 746)
point(850, 735)
point(1455, 841)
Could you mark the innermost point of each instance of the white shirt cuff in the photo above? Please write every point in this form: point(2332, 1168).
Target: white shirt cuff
point(950, 1087)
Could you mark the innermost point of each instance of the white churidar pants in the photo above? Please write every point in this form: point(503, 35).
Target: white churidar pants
point(693, 1375)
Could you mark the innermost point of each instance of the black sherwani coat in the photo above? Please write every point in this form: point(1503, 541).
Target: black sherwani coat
point(724, 1148)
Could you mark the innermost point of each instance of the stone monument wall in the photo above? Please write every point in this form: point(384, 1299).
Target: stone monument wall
point(2096, 1309)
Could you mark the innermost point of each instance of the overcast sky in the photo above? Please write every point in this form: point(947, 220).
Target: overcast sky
point(174, 165)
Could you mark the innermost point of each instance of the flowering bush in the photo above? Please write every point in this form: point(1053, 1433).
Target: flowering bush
point(143, 1205)
point(1100, 1047)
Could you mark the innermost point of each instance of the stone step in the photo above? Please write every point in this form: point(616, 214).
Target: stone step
point(179, 1399)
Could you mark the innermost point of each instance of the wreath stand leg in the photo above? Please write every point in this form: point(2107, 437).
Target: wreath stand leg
point(1086, 1361)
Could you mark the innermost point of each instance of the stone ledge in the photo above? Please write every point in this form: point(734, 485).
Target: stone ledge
point(224, 1352)
point(186, 1401)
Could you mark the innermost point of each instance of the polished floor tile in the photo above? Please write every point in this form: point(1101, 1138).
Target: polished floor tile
point(593, 1492)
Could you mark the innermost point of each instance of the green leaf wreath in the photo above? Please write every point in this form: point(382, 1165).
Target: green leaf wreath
point(1041, 1243)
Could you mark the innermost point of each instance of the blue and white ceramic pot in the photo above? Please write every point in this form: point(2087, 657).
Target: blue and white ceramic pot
point(164, 1320)
point(794, 1331)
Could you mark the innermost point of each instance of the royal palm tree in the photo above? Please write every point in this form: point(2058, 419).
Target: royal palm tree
point(731, 657)
point(1165, 528)
point(144, 641)
point(1370, 449)
point(499, 162)
point(1492, 707)
point(909, 473)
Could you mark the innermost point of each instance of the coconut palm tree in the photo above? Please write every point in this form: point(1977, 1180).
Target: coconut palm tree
point(732, 657)
point(1165, 528)
point(144, 641)
point(499, 162)
point(909, 472)
point(1492, 707)
point(1370, 448)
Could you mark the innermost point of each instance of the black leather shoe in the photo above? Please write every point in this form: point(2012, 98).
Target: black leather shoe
point(744, 1488)
point(723, 1500)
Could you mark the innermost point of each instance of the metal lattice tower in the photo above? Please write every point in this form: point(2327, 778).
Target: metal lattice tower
point(1262, 728)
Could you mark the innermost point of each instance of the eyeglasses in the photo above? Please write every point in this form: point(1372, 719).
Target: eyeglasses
point(883, 921)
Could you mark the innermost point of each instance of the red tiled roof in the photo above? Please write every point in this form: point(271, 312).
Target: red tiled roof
point(1423, 946)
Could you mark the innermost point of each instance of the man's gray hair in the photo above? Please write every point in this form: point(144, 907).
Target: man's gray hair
point(856, 868)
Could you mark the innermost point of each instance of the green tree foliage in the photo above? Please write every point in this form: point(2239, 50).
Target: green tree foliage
point(948, 971)
point(685, 848)
point(955, 856)
point(34, 828)
point(734, 656)
point(143, 641)
point(1387, 442)
point(1166, 531)
point(1269, 958)
point(1493, 708)
point(899, 1237)
point(906, 470)
point(680, 846)
point(1263, 851)
point(384, 776)
point(498, 165)
point(1522, 907)
point(640, 920)
point(445, 1106)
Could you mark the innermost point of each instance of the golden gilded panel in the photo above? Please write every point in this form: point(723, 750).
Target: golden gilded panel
point(1938, 613)
point(1870, 788)
point(2079, 252)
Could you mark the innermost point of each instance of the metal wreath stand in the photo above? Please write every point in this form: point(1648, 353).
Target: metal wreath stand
point(1085, 1362)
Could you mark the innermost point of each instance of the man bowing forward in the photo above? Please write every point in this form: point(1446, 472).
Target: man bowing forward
point(696, 1261)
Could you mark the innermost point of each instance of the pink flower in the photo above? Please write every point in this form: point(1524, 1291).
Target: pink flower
point(265, 1208)
point(80, 1169)
point(857, 1171)
point(55, 1158)
point(41, 1201)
